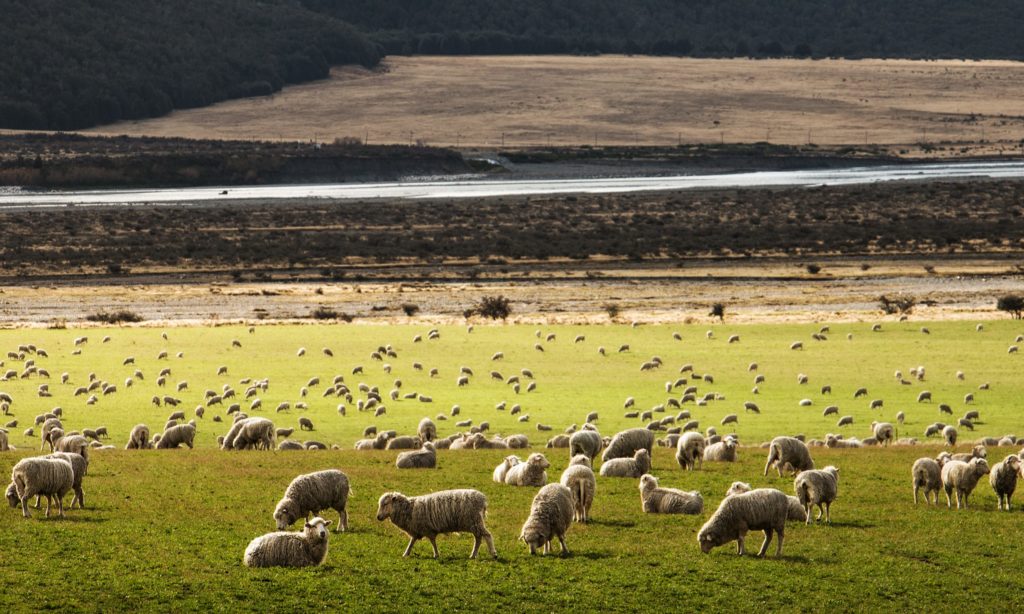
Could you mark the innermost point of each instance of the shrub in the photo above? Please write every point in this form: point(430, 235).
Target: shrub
point(493, 307)
point(324, 313)
point(813, 269)
point(410, 309)
point(114, 317)
point(1012, 304)
point(718, 311)
point(901, 305)
point(612, 310)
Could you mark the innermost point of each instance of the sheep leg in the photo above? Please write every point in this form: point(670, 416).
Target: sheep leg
point(35, 506)
point(807, 511)
point(949, 502)
point(915, 494)
point(60, 505)
point(342, 520)
point(24, 507)
point(476, 546)
point(781, 530)
point(739, 543)
point(565, 549)
point(547, 547)
point(486, 535)
point(48, 501)
point(767, 541)
point(408, 549)
point(828, 512)
point(433, 544)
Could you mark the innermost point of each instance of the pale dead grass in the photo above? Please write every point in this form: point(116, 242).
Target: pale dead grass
point(617, 100)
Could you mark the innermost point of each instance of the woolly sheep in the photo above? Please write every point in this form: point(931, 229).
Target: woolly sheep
point(550, 516)
point(49, 477)
point(518, 441)
point(290, 549)
point(625, 444)
point(75, 444)
point(690, 451)
point(926, 475)
point(289, 444)
point(499, 472)
point(446, 511)
point(962, 477)
point(764, 509)
point(427, 430)
point(657, 500)
point(883, 432)
point(817, 487)
point(405, 442)
point(949, 434)
point(424, 458)
point(1003, 479)
point(530, 472)
point(585, 442)
point(138, 439)
point(79, 467)
point(558, 441)
point(978, 451)
point(177, 435)
point(579, 478)
point(783, 451)
point(796, 511)
point(312, 492)
point(723, 451)
point(627, 467)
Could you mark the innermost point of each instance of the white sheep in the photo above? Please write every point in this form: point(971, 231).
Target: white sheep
point(723, 451)
point(926, 474)
point(884, 432)
point(817, 487)
point(657, 500)
point(764, 509)
point(783, 451)
point(690, 451)
point(499, 472)
point(177, 435)
point(310, 493)
point(49, 477)
point(627, 467)
point(1003, 480)
point(625, 444)
point(290, 549)
point(579, 478)
point(585, 442)
point(446, 511)
point(529, 473)
point(550, 516)
point(796, 510)
point(424, 458)
point(962, 477)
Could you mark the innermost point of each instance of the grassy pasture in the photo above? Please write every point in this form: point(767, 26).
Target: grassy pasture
point(166, 530)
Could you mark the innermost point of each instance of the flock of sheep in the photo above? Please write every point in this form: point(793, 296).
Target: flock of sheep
point(555, 506)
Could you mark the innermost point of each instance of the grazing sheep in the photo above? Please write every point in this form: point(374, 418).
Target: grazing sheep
point(80, 467)
point(312, 492)
point(978, 451)
point(796, 345)
point(877, 404)
point(860, 392)
point(424, 458)
point(625, 443)
point(585, 442)
point(796, 511)
point(177, 435)
point(884, 432)
point(138, 439)
point(246, 433)
point(1003, 479)
point(730, 419)
point(550, 516)
point(690, 451)
point(286, 433)
point(657, 500)
point(305, 424)
point(764, 509)
point(783, 451)
point(722, 451)
point(502, 469)
point(530, 472)
point(558, 441)
point(627, 467)
point(304, 548)
point(949, 434)
point(75, 444)
point(923, 396)
point(49, 477)
point(579, 478)
point(447, 511)
point(926, 475)
point(817, 487)
point(962, 477)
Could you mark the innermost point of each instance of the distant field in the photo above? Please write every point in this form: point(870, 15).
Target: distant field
point(166, 529)
point(617, 100)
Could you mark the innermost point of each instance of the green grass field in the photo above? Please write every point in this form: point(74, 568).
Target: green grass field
point(166, 530)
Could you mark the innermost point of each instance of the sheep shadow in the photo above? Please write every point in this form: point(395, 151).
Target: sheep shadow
point(622, 524)
point(847, 524)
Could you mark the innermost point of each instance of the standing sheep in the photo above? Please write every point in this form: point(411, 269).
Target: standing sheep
point(177, 435)
point(884, 432)
point(447, 511)
point(926, 474)
point(305, 424)
point(424, 458)
point(529, 473)
point(1003, 479)
point(138, 439)
point(796, 511)
point(817, 487)
point(627, 467)
point(550, 516)
point(764, 509)
point(626, 443)
point(657, 500)
point(783, 451)
point(427, 430)
point(962, 477)
point(949, 434)
point(49, 477)
point(690, 451)
point(310, 493)
point(579, 478)
point(304, 548)
point(585, 442)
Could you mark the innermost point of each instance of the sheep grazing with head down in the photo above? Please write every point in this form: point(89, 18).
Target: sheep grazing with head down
point(625, 444)
point(657, 500)
point(796, 510)
point(251, 433)
point(587, 442)
point(817, 487)
point(950, 435)
point(764, 509)
point(579, 478)
point(311, 493)
point(447, 511)
point(177, 435)
point(304, 548)
point(49, 477)
point(1003, 479)
point(926, 474)
point(550, 516)
point(690, 451)
point(788, 452)
point(424, 458)
point(529, 473)
point(627, 467)
point(79, 467)
point(962, 477)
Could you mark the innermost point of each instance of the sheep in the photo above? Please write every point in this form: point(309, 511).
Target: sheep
point(730, 419)
point(246, 433)
point(424, 458)
point(900, 417)
point(796, 511)
point(790, 451)
point(312, 492)
point(926, 474)
point(723, 451)
point(304, 548)
point(690, 451)
point(138, 439)
point(579, 478)
point(499, 472)
point(427, 430)
point(49, 477)
point(558, 441)
point(884, 432)
point(446, 511)
point(949, 434)
point(289, 444)
point(625, 443)
point(585, 442)
point(763, 509)
point(284, 433)
point(656, 500)
point(1003, 479)
point(751, 406)
point(978, 451)
point(75, 444)
point(962, 477)
point(550, 516)
point(305, 424)
point(405, 442)
point(530, 472)
point(860, 392)
point(177, 435)
point(79, 466)
point(627, 467)
point(817, 487)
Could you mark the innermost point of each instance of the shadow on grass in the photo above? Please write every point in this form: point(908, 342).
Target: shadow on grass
point(612, 523)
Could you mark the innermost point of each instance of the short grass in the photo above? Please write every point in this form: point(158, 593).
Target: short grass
point(166, 530)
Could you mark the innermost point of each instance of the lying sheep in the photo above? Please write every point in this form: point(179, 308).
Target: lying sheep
point(723, 451)
point(289, 444)
point(978, 451)
point(518, 441)
point(49, 477)
point(1003, 479)
point(627, 467)
point(558, 441)
point(788, 451)
point(424, 458)
point(447, 511)
point(764, 509)
point(690, 451)
point(585, 442)
point(817, 487)
point(304, 548)
point(625, 444)
point(529, 473)
point(579, 478)
point(310, 493)
point(404, 442)
point(499, 472)
point(550, 516)
point(962, 477)
point(657, 500)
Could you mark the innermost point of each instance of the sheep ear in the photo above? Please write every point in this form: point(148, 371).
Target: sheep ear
point(327, 522)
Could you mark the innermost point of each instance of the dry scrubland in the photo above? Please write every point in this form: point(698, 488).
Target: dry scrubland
point(188, 514)
point(472, 101)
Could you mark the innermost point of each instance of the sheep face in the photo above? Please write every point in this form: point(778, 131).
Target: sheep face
point(709, 539)
point(286, 514)
point(384, 505)
point(12, 495)
point(316, 529)
point(534, 538)
point(648, 482)
point(538, 459)
point(738, 488)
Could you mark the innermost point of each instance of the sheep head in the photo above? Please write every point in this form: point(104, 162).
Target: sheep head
point(648, 482)
point(286, 513)
point(317, 529)
point(12, 495)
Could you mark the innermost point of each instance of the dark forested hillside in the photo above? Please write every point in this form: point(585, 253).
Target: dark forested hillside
point(75, 63)
point(759, 28)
